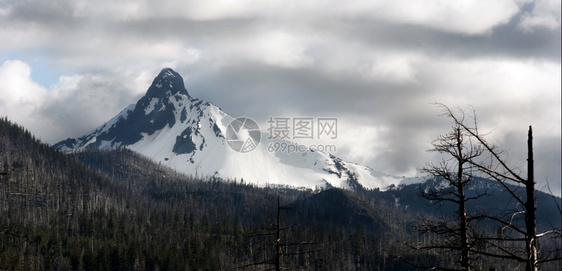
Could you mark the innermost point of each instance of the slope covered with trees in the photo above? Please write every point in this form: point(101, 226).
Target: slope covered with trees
point(116, 210)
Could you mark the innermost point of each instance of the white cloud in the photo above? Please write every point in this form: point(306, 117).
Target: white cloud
point(19, 95)
point(546, 13)
point(114, 10)
point(358, 142)
point(76, 102)
point(20, 37)
point(220, 9)
point(509, 95)
point(195, 10)
point(21, 98)
point(350, 58)
point(395, 68)
point(280, 49)
point(103, 51)
point(472, 17)
point(277, 48)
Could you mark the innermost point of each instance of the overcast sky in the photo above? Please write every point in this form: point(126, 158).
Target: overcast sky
point(68, 66)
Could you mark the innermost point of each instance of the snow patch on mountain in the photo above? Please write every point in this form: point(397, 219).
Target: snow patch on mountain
point(150, 106)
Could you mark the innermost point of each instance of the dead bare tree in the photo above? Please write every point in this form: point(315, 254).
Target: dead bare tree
point(497, 168)
point(454, 174)
point(275, 231)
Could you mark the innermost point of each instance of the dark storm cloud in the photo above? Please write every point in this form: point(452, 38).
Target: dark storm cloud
point(188, 29)
point(48, 13)
point(255, 85)
point(505, 41)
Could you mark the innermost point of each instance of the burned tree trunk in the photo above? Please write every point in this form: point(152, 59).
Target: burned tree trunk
point(531, 208)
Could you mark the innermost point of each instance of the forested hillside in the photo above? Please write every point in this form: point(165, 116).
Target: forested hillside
point(124, 213)
point(117, 210)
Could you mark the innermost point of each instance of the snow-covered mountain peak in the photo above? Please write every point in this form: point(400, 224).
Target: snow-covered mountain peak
point(196, 138)
point(167, 83)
